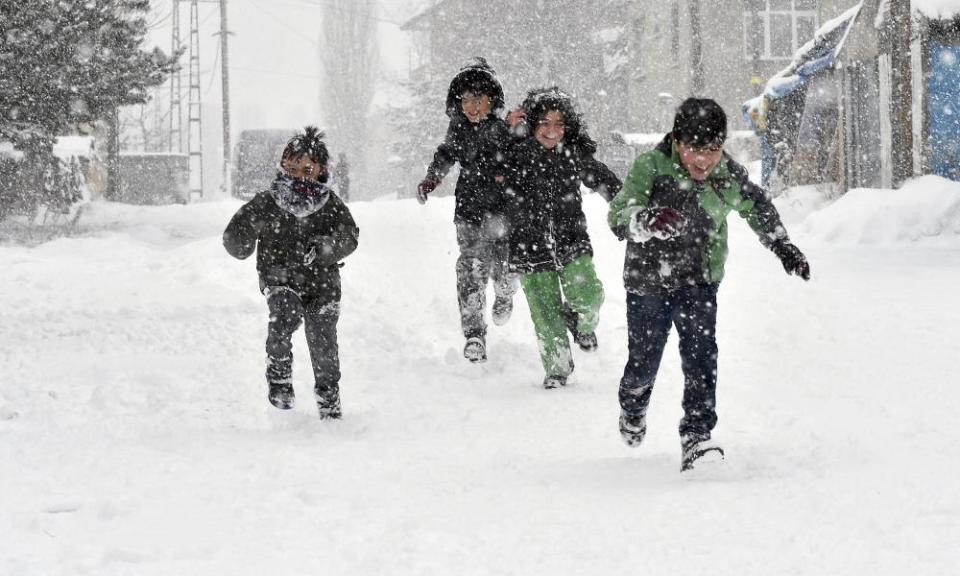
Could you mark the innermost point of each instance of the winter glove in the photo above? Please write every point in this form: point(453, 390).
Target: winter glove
point(425, 188)
point(662, 223)
point(310, 256)
point(793, 260)
point(516, 116)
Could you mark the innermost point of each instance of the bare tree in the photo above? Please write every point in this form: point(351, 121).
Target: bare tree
point(144, 127)
point(348, 53)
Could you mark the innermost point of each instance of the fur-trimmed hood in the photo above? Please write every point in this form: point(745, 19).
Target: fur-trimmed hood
point(542, 100)
point(478, 77)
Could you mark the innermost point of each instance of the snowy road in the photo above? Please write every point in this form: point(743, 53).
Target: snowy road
point(135, 436)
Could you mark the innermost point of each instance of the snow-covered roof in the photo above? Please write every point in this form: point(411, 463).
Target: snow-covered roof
point(937, 9)
point(817, 55)
point(7, 151)
point(421, 16)
point(65, 147)
point(140, 154)
point(73, 146)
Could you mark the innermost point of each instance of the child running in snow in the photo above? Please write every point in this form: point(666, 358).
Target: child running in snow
point(549, 243)
point(301, 231)
point(673, 213)
point(476, 138)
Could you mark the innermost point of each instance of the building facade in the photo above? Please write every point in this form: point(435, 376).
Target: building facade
point(740, 45)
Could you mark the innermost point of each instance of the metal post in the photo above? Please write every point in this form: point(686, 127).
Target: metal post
point(194, 107)
point(696, 49)
point(225, 77)
point(176, 111)
point(901, 100)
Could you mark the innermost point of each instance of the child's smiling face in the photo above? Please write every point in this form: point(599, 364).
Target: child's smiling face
point(700, 161)
point(303, 167)
point(550, 129)
point(475, 107)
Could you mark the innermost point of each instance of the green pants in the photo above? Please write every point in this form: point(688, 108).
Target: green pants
point(575, 288)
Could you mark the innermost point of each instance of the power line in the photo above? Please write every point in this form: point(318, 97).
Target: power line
point(334, 8)
point(161, 20)
point(274, 72)
point(337, 8)
point(208, 17)
point(216, 60)
point(284, 24)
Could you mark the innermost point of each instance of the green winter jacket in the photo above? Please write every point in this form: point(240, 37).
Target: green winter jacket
point(697, 255)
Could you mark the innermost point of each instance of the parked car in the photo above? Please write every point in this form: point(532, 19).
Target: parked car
point(257, 159)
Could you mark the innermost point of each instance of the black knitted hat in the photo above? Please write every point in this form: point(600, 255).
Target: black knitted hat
point(700, 122)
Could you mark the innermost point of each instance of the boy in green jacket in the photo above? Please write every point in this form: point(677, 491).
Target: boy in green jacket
point(672, 210)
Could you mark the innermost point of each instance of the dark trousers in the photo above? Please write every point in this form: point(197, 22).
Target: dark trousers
point(286, 314)
point(483, 256)
point(693, 310)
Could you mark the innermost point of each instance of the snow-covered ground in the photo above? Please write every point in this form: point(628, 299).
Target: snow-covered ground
point(135, 435)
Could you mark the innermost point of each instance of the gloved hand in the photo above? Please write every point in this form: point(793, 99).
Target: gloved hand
point(662, 223)
point(425, 188)
point(310, 256)
point(793, 260)
point(516, 116)
point(665, 222)
point(319, 247)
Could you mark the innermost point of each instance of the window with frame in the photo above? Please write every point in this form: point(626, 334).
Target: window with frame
point(775, 29)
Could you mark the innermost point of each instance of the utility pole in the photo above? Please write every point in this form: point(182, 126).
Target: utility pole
point(176, 112)
point(113, 153)
point(194, 107)
point(901, 92)
point(225, 77)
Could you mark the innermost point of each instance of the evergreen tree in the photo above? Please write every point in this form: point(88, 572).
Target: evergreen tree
point(64, 62)
point(419, 123)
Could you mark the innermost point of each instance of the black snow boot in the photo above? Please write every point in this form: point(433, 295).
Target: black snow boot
point(633, 428)
point(328, 406)
point(551, 382)
point(475, 349)
point(281, 395)
point(587, 341)
point(697, 450)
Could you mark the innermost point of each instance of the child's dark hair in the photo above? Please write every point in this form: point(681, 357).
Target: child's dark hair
point(308, 143)
point(700, 122)
point(543, 100)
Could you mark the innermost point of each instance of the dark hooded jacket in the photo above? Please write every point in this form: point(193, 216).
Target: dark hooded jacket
point(548, 228)
point(284, 224)
point(477, 147)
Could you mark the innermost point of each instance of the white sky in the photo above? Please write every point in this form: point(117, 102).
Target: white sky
point(275, 74)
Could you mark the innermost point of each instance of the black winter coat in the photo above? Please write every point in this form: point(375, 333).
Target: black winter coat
point(282, 240)
point(479, 148)
point(548, 228)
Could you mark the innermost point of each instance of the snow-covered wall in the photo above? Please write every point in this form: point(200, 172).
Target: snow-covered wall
point(939, 9)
